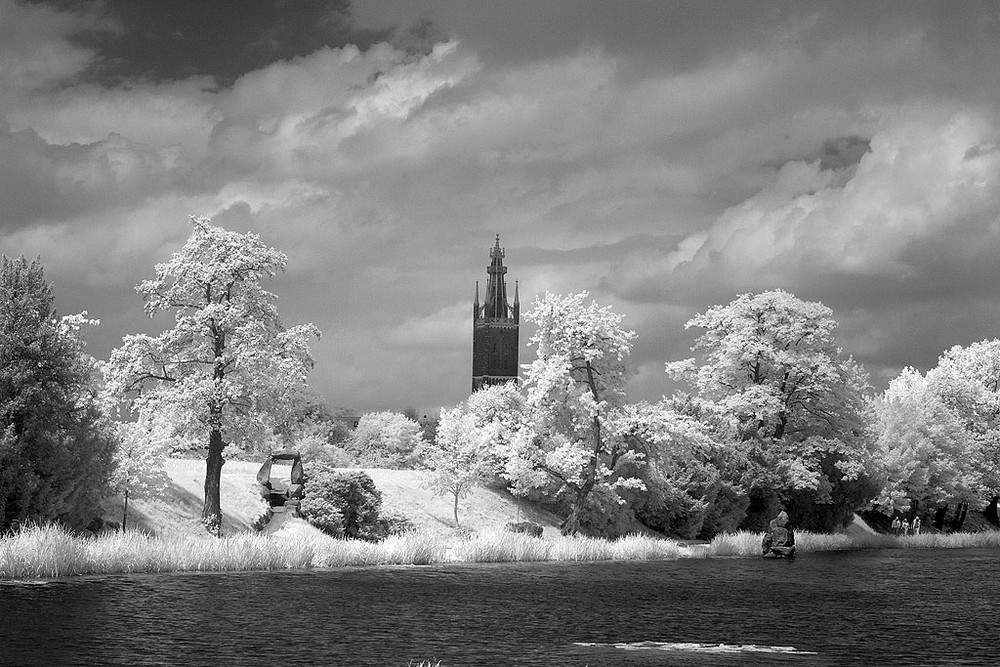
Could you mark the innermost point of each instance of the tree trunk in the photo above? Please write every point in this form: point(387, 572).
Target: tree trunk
point(991, 513)
point(125, 513)
point(456, 509)
point(211, 516)
point(571, 525)
point(960, 513)
point(939, 517)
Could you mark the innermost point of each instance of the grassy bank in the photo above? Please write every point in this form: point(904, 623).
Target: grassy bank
point(49, 552)
point(746, 544)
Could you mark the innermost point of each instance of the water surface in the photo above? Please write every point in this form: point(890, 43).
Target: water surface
point(899, 607)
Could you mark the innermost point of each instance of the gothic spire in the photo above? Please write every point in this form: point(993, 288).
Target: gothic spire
point(496, 286)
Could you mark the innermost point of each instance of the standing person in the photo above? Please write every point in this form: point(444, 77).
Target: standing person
point(916, 526)
point(895, 526)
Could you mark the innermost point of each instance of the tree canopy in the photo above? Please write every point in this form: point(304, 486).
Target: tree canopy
point(228, 371)
point(575, 395)
point(772, 373)
point(55, 445)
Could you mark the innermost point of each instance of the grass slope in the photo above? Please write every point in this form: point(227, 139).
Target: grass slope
point(177, 511)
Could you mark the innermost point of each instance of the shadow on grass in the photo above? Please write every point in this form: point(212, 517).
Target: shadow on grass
point(175, 508)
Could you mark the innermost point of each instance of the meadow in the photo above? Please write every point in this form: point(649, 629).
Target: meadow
point(46, 552)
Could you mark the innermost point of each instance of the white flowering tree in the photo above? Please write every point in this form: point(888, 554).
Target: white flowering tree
point(228, 371)
point(575, 397)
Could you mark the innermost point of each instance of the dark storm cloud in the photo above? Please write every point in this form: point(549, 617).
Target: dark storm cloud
point(161, 40)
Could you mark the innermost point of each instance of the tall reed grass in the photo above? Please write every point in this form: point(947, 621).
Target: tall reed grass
point(44, 552)
point(500, 546)
point(746, 544)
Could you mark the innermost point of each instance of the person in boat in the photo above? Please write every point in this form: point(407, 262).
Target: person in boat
point(779, 540)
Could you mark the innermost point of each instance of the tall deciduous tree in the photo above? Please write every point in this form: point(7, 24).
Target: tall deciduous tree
point(228, 370)
point(771, 363)
point(576, 396)
point(55, 446)
point(695, 485)
point(967, 381)
point(928, 455)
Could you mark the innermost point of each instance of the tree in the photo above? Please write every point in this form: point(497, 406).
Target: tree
point(967, 381)
point(458, 456)
point(314, 432)
point(386, 440)
point(927, 453)
point(694, 485)
point(575, 397)
point(140, 462)
point(228, 371)
point(55, 445)
point(770, 364)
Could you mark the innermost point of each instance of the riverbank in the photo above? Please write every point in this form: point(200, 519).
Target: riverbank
point(50, 552)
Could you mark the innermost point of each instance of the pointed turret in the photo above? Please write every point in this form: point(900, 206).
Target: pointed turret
point(496, 286)
point(517, 303)
point(495, 326)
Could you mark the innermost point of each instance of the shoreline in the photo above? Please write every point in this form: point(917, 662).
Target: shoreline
point(50, 553)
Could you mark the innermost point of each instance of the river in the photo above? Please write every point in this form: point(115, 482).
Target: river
point(898, 607)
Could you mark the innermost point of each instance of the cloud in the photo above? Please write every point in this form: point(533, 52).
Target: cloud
point(34, 46)
point(448, 327)
point(850, 160)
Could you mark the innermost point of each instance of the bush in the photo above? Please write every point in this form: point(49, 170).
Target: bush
point(394, 523)
point(322, 514)
point(526, 527)
point(352, 494)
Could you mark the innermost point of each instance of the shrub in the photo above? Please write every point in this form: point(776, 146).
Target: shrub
point(394, 523)
point(321, 513)
point(352, 493)
point(526, 527)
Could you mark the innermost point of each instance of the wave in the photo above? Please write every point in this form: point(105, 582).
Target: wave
point(697, 647)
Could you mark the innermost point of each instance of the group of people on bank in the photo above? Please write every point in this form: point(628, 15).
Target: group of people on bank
point(901, 527)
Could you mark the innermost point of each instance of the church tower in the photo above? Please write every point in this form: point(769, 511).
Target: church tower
point(495, 325)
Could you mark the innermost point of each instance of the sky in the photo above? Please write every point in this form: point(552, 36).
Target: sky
point(664, 156)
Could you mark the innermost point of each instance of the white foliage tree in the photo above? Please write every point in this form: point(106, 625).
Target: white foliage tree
point(140, 462)
point(458, 457)
point(967, 379)
point(228, 371)
point(386, 440)
point(926, 451)
point(575, 391)
point(771, 366)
